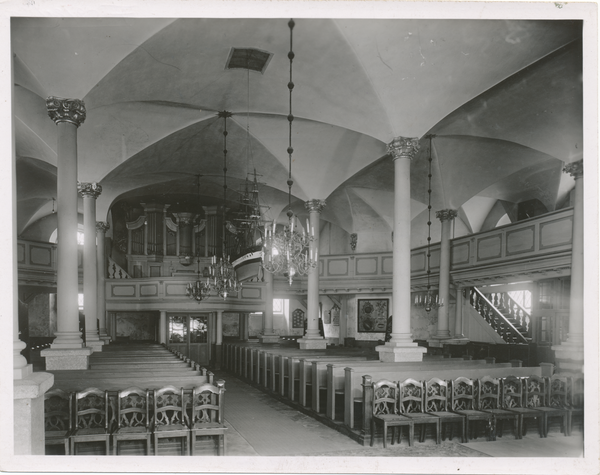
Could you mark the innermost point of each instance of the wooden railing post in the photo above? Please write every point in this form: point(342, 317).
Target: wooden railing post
point(367, 386)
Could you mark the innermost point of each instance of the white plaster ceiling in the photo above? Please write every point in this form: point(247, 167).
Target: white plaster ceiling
point(503, 98)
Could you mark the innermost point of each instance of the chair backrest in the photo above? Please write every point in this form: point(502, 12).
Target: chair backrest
point(436, 395)
point(535, 391)
point(57, 410)
point(558, 391)
point(462, 394)
point(207, 403)
point(385, 397)
point(410, 396)
point(488, 393)
point(132, 407)
point(91, 409)
point(512, 392)
point(575, 389)
point(169, 406)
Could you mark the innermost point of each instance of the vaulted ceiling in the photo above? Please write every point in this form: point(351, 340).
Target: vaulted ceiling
point(502, 98)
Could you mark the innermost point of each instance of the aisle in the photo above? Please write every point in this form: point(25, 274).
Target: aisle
point(261, 425)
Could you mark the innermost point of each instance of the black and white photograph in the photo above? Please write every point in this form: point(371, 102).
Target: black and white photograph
point(299, 237)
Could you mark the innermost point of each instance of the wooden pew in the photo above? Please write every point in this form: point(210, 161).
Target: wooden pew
point(314, 371)
point(353, 381)
point(335, 374)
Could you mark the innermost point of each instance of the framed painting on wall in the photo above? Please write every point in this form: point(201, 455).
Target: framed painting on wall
point(372, 315)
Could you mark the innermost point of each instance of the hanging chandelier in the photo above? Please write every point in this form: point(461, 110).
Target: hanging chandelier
point(198, 290)
point(429, 301)
point(288, 251)
point(223, 276)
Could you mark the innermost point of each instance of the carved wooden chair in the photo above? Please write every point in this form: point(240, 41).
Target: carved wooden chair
point(169, 419)
point(207, 408)
point(133, 417)
point(575, 398)
point(411, 405)
point(557, 403)
point(90, 418)
point(514, 399)
point(490, 400)
point(385, 412)
point(464, 401)
point(57, 418)
point(436, 404)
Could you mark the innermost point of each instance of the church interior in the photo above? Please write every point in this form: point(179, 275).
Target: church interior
point(274, 208)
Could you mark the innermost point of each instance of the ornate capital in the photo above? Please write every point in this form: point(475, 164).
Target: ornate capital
point(446, 214)
point(185, 218)
point(89, 190)
point(575, 169)
point(315, 205)
point(66, 110)
point(102, 226)
point(403, 147)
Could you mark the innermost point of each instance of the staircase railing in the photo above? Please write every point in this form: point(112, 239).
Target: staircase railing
point(513, 310)
point(115, 271)
point(492, 315)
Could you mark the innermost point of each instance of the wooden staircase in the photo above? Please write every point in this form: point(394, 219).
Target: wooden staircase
point(505, 316)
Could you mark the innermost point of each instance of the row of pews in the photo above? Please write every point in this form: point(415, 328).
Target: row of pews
point(329, 385)
point(129, 395)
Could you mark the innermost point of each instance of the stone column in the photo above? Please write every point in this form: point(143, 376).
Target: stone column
point(268, 335)
point(28, 387)
point(313, 340)
point(90, 192)
point(219, 343)
point(244, 323)
point(101, 228)
point(458, 325)
point(67, 350)
point(162, 327)
point(446, 216)
point(343, 319)
point(401, 346)
point(569, 355)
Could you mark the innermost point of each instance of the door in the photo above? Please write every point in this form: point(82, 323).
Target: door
point(188, 333)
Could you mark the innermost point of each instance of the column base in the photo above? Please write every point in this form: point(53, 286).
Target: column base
point(391, 353)
point(312, 343)
point(65, 359)
point(569, 357)
point(268, 338)
point(441, 336)
point(67, 341)
point(457, 340)
point(95, 345)
point(28, 409)
point(105, 337)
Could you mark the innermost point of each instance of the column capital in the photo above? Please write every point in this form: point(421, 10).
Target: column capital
point(403, 147)
point(185, 218)
point(575, 169)
point(102, 226)
point(89, 190)
point(66, 110)
point(315, 205)
point(446, 214)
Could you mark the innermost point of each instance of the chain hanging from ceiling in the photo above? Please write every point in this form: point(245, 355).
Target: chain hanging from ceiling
point(223, 278)
point(288, 251)
point(429, 301)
